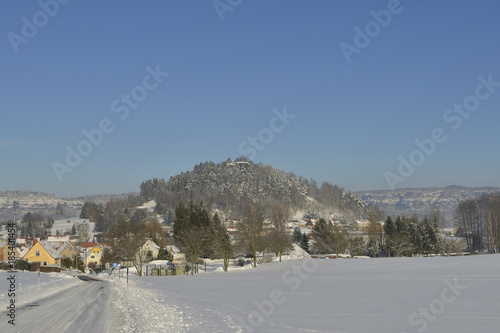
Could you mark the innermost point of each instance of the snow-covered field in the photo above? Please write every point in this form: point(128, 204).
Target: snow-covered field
point(438, 294)
point(63, 225)
point(454, 294)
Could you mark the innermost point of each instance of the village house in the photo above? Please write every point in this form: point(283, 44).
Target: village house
point(67, 250)
point(4, 251)
point(148, 250)
point(44, 254)
point(362, 225)
point(92, 256)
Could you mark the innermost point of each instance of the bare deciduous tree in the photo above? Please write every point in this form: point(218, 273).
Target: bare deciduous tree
point(281, 239)
point(250, 230)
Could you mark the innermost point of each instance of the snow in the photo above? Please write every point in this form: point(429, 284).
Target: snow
point(460, 294)
point(27, 289)
point(63, 225)
point(433, 294)
point(150, 205)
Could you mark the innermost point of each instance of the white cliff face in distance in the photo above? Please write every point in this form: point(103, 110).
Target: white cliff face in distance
point(423, 201)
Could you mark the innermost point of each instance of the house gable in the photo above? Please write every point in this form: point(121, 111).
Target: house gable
point(43, 253)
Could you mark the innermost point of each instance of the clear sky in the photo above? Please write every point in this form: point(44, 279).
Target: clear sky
point(326, 89)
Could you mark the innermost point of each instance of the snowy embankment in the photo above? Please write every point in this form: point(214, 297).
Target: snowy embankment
point(27, 288)
point(453, 294)
point(145, 310)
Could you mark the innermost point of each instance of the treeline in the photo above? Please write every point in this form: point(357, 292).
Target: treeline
point(35, 225)
point(404, 236)
point(478, 222)
point(203, 235)
point(329, 239)
point(410, 236)
point(104, 215)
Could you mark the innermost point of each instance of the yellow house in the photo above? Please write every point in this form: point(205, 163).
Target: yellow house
point(93, 256)
point(43, 253)
point(66, 250)
point(4, 251)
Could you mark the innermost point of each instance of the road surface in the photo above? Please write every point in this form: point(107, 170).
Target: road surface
point(85, 307)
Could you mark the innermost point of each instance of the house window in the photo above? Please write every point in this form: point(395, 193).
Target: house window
point(64, 256)
point(92, 257)
point(37, 253)
point(45, 263)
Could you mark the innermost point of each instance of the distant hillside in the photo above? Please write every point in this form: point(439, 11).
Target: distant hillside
point(228, 185)
point(15, 204)
point(422, 201)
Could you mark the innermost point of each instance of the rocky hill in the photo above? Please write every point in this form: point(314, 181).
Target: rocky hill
point(227, 186)
point(423, 201)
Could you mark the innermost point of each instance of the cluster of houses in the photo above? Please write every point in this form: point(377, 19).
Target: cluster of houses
point(51, 252)
point(356, 226)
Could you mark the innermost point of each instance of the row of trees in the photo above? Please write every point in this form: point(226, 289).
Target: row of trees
point(200, 234)
point(35, 225)
point(128, 231)
point(334, 239)
point(478, 221)
point(400, 237)
point(410, 236)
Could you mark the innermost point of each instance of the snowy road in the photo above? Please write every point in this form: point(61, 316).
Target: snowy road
point(82, 308)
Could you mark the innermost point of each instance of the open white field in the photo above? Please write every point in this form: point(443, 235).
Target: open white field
point(454, 294)
point(65, 225)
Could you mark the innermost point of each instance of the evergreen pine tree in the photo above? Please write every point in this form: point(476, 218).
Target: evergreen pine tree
point(304, 242)
point(161, 254)
point(297, 235)
point(390, 234)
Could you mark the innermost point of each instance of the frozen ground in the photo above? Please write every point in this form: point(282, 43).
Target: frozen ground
point(454, 294)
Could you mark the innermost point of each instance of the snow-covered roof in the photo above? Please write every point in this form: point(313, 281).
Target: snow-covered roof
point(58, 238)
point(64, 245)
point(92, 245)
point(173, 249)
point(150, 205)
point(152, 244)
point(50, 250)
point(23, 251)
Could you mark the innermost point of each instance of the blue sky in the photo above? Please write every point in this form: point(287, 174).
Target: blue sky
point(353, 121)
